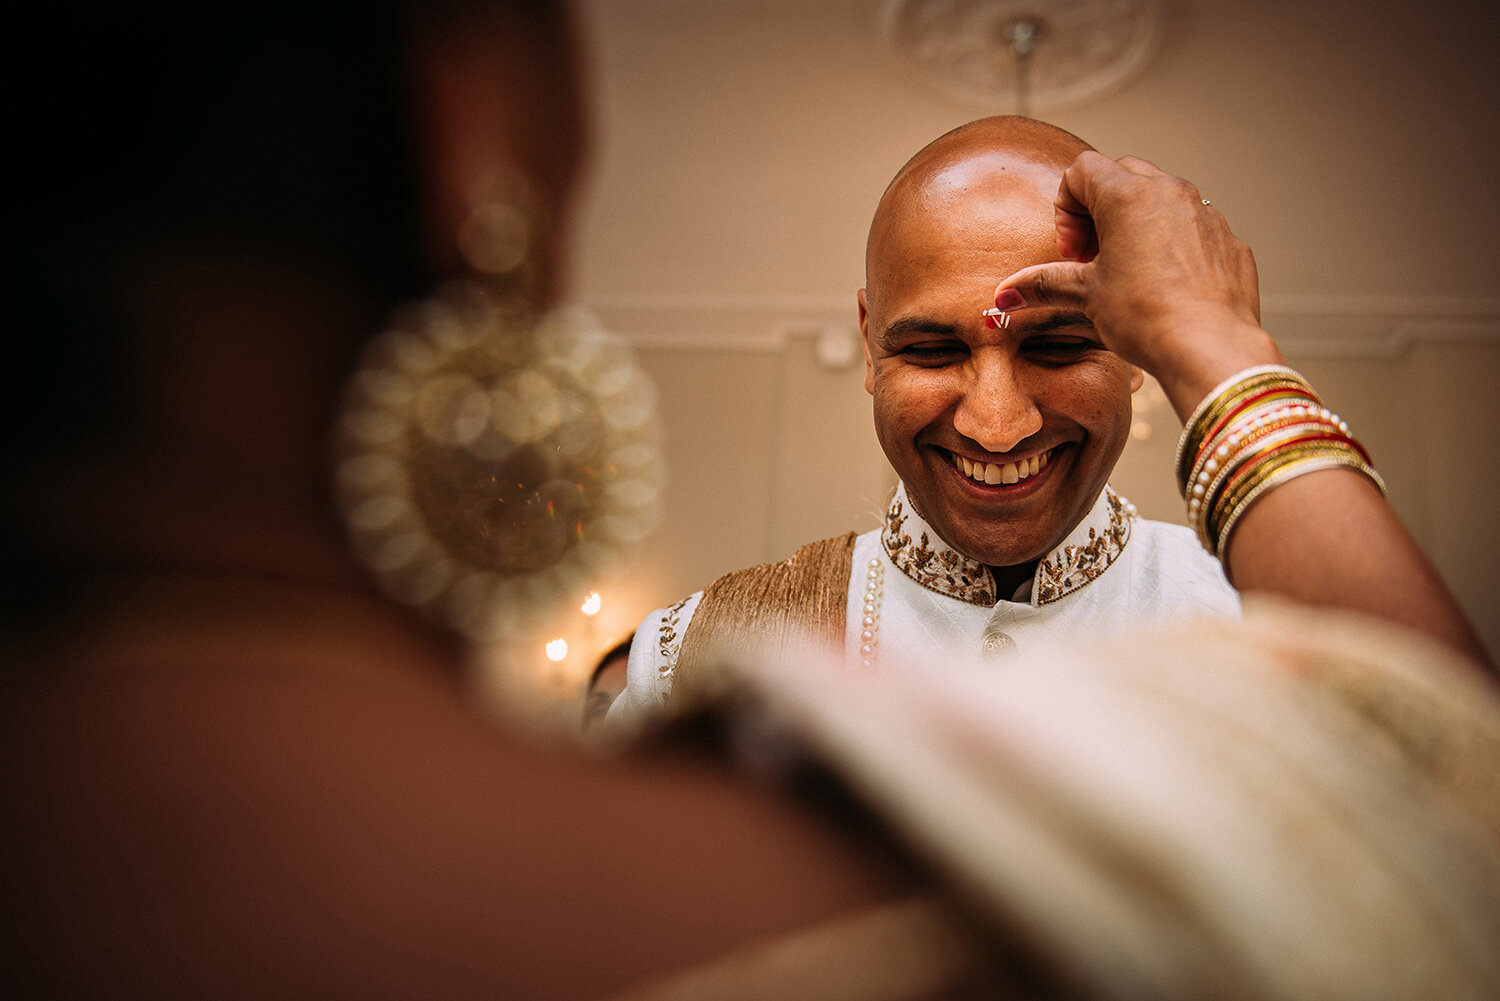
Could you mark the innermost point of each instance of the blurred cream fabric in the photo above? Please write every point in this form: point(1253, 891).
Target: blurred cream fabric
point(1301, 805)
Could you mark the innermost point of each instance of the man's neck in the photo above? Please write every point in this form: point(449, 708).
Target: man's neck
point(1009, 579)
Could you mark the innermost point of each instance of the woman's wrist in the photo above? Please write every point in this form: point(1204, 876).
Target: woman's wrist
point(1205, 358)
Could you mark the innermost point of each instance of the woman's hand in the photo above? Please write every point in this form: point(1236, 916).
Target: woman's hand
point(1157, 270)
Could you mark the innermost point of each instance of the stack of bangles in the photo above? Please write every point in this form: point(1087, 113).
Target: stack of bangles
point(1253, 432)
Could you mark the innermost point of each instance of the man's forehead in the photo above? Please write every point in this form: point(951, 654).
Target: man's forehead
point(961, 231)
point(994, 190)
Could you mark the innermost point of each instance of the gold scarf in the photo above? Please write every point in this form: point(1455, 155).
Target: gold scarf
point(745, 613)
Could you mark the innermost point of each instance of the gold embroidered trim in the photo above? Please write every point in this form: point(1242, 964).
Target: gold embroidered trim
point(937, 568)
point(1071, 567)
point(669, 640)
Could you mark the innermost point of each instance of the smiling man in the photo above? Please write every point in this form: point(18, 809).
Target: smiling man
point(1003, 437)
point(1003, 533)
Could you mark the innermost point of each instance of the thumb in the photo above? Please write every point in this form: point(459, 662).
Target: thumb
point(1062, 283)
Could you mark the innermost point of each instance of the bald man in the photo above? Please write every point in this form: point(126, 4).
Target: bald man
point(1003, 534)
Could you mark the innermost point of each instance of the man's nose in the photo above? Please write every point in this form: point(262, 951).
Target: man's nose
point(996, 410)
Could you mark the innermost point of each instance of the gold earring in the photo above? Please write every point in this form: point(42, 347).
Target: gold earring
point(490, 460)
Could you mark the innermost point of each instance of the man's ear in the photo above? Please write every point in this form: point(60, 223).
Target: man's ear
point(864, 339)
point(1137, 377)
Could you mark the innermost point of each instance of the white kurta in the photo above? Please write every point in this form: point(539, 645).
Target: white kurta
point(912, 597)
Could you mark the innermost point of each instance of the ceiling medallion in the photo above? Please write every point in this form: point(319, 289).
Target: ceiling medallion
point(1023, 55)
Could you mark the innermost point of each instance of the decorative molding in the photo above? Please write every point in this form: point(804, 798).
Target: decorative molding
point(1343, 302)
point(721, 302)
point(966, 50)
point(1378, 327)
point(742, 323)
point(1305, 325)
point(1396, 341)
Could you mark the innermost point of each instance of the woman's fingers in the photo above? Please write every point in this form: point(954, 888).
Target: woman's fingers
point(1165, 283)
point(1061, 284)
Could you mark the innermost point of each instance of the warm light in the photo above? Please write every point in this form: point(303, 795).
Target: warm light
point(557, 650)
point(592, 603)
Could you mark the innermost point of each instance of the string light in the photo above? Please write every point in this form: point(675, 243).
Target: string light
point(557, 649)
point(592, 604)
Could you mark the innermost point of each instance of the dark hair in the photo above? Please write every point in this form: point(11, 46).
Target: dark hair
point(620, 649)
point(274, 125)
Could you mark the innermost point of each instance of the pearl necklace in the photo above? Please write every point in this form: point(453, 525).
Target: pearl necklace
point(869, 635)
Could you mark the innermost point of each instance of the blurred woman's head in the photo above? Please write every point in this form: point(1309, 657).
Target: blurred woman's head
point(337, 140)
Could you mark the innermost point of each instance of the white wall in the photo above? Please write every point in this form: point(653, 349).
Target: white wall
point(742, 146)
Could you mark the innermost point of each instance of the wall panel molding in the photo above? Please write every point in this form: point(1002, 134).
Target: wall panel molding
point(1330, 326)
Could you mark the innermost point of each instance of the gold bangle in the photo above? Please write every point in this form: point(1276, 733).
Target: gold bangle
point(1229, 448)
point(1259, 445)
point(1255, 474)
point(1255, 430)
point(1222, 398)
point(1236, 496)
point(1239, 414)
point(1243, 411)
point(1288, 472)
point(1197, 429)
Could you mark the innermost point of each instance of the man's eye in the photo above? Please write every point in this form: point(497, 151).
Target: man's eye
point(1060, 348)
point(933, 354)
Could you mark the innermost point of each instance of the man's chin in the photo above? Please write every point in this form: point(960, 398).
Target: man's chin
point(1008, 552)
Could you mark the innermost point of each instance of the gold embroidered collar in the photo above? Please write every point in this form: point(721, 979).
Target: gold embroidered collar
point(1089, 550)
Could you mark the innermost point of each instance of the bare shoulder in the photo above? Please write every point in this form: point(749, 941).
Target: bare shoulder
point(225, 797)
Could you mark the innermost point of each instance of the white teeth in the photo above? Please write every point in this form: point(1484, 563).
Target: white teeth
point(994, 474)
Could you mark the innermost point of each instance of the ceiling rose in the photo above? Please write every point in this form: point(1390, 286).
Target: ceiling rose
point(1018, 56)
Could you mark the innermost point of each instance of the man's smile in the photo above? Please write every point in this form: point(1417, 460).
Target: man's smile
point(1001, 473)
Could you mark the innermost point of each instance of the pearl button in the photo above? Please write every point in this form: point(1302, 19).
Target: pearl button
point(997, 643)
